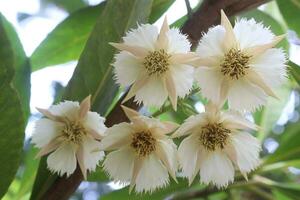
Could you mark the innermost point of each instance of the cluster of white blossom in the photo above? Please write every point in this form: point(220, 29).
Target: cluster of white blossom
point(238, 65)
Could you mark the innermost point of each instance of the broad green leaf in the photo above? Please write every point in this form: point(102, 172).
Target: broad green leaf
point(67, 40)
point(93, 74)
point(21, 64)
point(268, 21)
point(159, 7)
point(290, 10)
point(11, 119)
point(294, 70)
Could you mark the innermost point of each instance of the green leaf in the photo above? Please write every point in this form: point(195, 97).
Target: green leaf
point(291, 190)
point(294, 70)
point(159, 7)
point(289, 145)
point(279, 195)
point(31, 165)
point(268, 21)
point(93, 74)
point(290, 10)
point(11, 119)
point(67, 40)
point(21, 64)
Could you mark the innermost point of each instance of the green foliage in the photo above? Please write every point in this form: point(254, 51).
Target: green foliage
point(11, 119)
point(290, 10)
point(21, 80)
point(67, 40)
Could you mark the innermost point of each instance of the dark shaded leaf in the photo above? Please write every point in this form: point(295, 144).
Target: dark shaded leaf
point(21, 80)
point(290, 10)
point(11, 119)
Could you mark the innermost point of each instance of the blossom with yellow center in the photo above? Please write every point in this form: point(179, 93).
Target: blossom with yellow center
point(217, 142)
point(141, 152)
point(154, 64)
point(239, 64)
point(70, 133)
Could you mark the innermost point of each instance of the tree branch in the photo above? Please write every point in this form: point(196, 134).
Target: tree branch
point(207, 15)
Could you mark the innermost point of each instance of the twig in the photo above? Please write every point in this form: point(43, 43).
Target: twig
point(188, 8)
point(208, 14)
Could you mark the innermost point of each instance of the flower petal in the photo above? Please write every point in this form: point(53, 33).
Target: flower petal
point(189, 124)
point(187, 154)
point(184, 78)
point(178, 43)
point(91, 157)
point(144, 36)
point(167, 153)
point(230, 40)
point(95, 122)
point(152, 175)
point(253, 96)
point(250, 33)
point(211, 43)
point(153, 93)
point(116, 136)
point(127, 68)
point(45, 130)
point(84, 107)
point(63, 160)
point(217, 168)
point(271, 67)
point(210, 82)
point(119, 164)
point(247, 150)
point(65, 109)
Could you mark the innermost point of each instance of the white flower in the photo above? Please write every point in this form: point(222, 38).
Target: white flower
point(142, 153)
point(154, 64)
point(239, 64)
point(217, 142)
point(70, 133)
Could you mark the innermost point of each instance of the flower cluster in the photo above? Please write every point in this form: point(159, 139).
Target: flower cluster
point(236, 65)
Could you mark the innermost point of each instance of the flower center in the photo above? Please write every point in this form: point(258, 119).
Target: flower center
point(235, 64)
point(214, 136)
point(73, 131)
point(143, 143)
point(157, 62)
